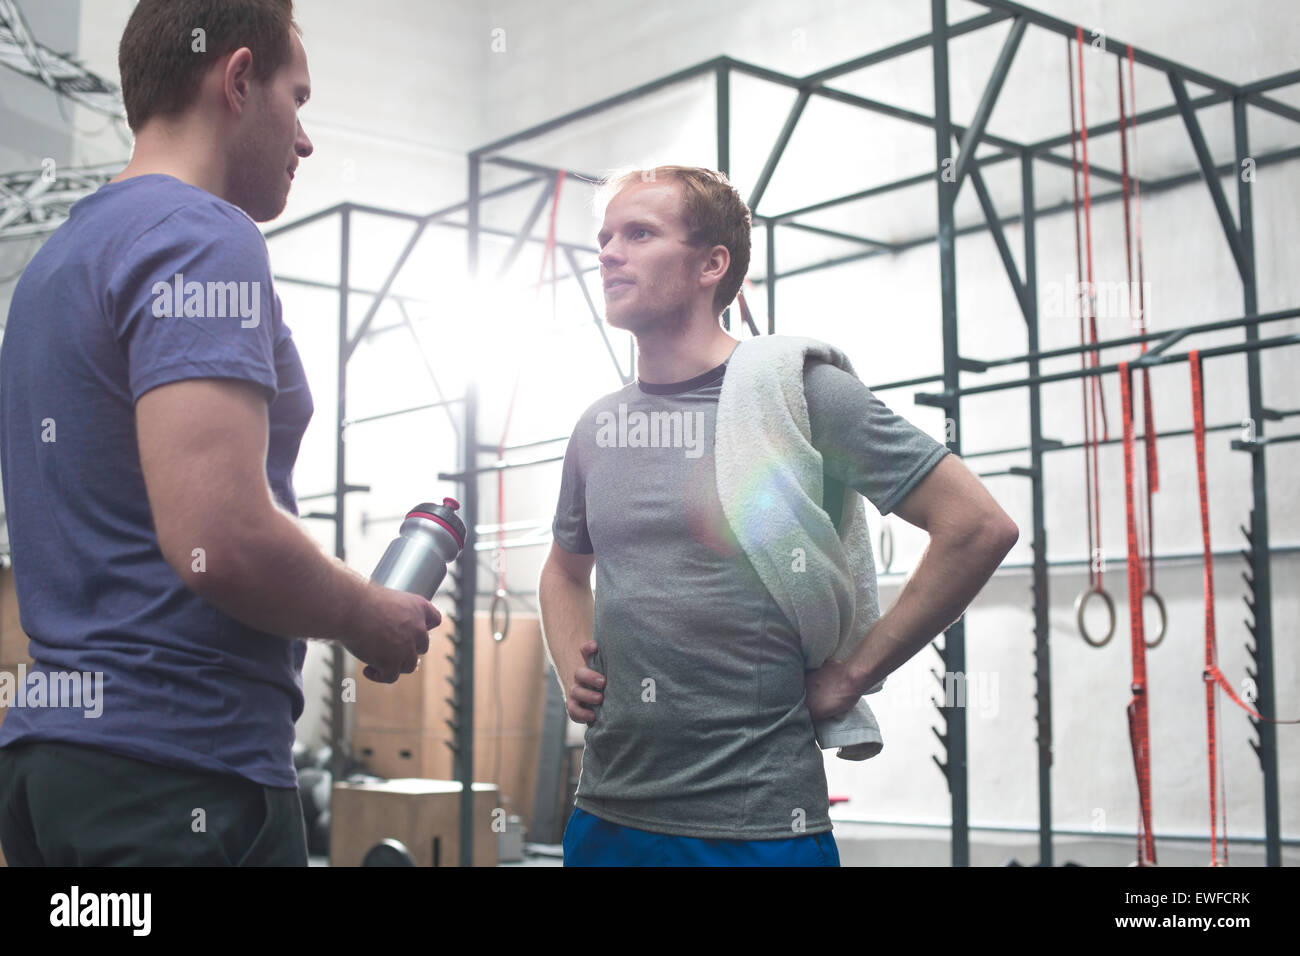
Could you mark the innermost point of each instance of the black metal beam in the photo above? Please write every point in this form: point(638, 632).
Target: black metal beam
point(1171, 182)
point(1052, 445)
point(771, 271)
point(1261, 570)
point(416, 234)
point(609, 102)
point(782, 140)
point(954, 644)
point(903, 48)
point(1038, 543)
point(595, 315)
point(1000, 240)
point(1206, 162)
point(949, 394)
point(1104, 129)
point(1117, 47)
point(1104, 344)
point(835, 234)
point(540, 169)
point(971, 139)
point(526, 230)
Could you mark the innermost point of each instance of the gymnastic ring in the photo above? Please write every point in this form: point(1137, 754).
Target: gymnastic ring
point(1081, 602)
point(499, 606)
point(886, 554)
point(1164, 620)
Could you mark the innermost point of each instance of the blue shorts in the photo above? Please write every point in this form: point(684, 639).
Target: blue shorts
point(591, 841)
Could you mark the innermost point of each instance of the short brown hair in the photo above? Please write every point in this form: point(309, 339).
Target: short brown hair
point(161, 70)
point(713, 211)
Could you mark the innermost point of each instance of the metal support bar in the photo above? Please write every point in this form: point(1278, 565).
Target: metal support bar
point(1000, 240)
point(1261, 568)
point(1041, 597)
point(1206, 162)
point(771, 273)
point(496, 466)
point(949, 396)
point(348, 423)
point(428, 367)
point(915, 44)
point(1171, 182)
point(1117, 47)
point(1260, 443)
point(834, 234)
point(1052, 444)
point(526, 231)
point(782, 140)
point(384, 289)
point(595, 316)
point(971, 140)
point(954, 645)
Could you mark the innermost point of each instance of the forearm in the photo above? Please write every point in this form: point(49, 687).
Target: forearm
point(567, 618)
point(951, 572)
point(266, 572)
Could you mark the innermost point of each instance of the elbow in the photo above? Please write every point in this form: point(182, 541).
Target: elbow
point(203, 564)
point(1007, 534)
point(988, 539)
point(212, 559)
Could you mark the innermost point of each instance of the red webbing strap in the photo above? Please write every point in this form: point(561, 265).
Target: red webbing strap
point(1148, 417)
point(1085, 386)
point(1098, 398)
point(1211, 663)
point(1198, 432)
point(1139, 725)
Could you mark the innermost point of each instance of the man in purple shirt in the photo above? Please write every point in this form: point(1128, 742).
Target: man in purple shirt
point(151, 407)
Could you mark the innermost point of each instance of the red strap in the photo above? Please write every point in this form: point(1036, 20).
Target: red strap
point(1098, 398)
point(1139, 726)
point(1086, 385)
point(1198, 432)
point(1212, 675)
point(1152, 481)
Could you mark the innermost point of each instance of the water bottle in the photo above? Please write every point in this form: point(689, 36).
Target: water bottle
point(416, 561)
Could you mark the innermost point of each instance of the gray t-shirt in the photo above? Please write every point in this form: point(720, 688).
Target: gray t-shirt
point(704, 729)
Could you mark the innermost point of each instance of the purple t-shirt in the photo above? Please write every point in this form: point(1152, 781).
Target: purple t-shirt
point(150, 281)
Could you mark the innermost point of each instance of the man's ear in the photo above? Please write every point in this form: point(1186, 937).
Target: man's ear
point(237, 79)
point(716, 264)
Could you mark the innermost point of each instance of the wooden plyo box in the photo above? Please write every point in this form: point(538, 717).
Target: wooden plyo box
point(423, 814)
point(400, 730)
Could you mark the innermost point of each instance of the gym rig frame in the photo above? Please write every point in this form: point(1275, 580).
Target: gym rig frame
point(1238, 234)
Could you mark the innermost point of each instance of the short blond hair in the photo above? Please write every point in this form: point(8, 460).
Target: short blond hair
point(712, 209)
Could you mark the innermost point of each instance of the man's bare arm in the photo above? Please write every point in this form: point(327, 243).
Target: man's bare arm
point(567, 616)
point(202, 446)
point(969, 536)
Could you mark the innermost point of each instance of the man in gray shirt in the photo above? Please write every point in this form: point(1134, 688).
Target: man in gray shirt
point(700, 747)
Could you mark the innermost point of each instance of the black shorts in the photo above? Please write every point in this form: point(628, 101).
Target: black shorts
point(67, 805)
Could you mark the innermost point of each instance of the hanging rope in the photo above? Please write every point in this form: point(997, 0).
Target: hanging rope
point(1213, 677)
point(1148, 476)
point(1089, 385)
point(1138, 722)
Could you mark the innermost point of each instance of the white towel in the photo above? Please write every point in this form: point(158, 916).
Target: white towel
point(770, 485)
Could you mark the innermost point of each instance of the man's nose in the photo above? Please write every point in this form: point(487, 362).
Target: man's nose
point(609, 253)
point(302, 146)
